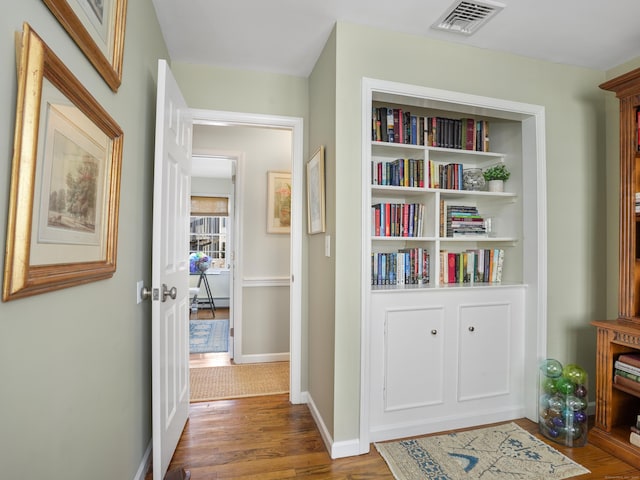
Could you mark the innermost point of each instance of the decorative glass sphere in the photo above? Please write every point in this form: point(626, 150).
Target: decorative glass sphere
point(565, 386)
point(551, 368)
point(556, 403)
point(581, 391)
point(580, 416)
point(574, 373)
point(549, 386)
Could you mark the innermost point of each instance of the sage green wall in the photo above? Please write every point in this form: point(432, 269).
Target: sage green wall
point(612, 128)
point(216, 88)
point(322, 325)
point(75, 364)
point(576, 199)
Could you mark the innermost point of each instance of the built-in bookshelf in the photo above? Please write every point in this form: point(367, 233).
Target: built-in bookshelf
point(453, 274)
point(420, 199)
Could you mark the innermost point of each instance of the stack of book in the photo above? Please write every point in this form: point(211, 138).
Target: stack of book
point(464, 221)
point(627, 371)
point(637, 202)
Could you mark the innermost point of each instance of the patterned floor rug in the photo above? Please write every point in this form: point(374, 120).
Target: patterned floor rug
point(499, 452)
point(208, 336)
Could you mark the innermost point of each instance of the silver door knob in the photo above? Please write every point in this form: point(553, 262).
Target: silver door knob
point(173, 292)
point(145, 293)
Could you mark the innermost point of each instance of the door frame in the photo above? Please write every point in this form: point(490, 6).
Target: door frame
point(295, 124)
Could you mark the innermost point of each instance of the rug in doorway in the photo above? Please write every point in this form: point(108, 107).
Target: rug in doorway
point(208, 336)
point(237, 381)
point(493, 453)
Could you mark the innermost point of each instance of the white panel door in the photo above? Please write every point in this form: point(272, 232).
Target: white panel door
point(170, 270)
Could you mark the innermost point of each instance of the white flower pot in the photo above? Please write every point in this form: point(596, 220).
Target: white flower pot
point(496, 185)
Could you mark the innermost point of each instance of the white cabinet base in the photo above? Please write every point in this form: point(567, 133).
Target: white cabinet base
point(442, 360)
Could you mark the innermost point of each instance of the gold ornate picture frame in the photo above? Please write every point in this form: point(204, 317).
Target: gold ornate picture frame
point(98, 27)
point(65, 179)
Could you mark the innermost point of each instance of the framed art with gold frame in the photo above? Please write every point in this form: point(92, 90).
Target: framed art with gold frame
point(65, 179)
point(278, 202)
point(98, 27)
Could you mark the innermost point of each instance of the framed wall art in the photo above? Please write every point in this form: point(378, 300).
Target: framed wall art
point(98, 27)
point(278, 202)
point(315, 192)
point(65, 179)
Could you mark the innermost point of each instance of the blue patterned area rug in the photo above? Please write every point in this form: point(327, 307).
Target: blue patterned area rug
point(499, 452)
point(208, 336)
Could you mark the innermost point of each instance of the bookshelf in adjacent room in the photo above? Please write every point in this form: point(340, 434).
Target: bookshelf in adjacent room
point(618, 341)
point(452, 271)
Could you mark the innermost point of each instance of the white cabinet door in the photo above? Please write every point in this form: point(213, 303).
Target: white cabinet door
point(484, 354)
point(413, 358)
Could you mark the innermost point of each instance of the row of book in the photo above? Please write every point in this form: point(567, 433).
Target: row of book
point(464, 221)
point(408, 266)
point(471, 266)
point(397, 219)
point(401, 172)
point(411, 172)
point(396, 125)
point(637, 202)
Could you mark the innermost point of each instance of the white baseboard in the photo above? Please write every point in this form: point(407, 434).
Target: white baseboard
point(144, 464)
point(262, 358)
point(443, 423)
point(342, 449)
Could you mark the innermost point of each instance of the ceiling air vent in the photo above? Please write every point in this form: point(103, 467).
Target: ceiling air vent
point(466, 17)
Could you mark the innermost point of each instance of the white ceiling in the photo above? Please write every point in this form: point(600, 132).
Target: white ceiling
point(286, 36)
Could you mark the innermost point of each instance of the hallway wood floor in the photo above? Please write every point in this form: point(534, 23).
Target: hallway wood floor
point(267, 438)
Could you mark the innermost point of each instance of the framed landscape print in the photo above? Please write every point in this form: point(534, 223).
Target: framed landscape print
point(278, 202)
point(98, 27)
point(65, 180)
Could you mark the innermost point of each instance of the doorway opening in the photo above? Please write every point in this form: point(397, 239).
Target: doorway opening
point(246, 284)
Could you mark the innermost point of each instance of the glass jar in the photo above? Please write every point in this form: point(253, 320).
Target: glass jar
point(563, 401)
point(472, 179)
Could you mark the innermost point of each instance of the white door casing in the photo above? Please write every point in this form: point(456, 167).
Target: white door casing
point(170, 270)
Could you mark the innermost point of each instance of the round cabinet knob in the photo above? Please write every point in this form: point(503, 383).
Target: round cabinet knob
point(434, 332)
point(472, 329)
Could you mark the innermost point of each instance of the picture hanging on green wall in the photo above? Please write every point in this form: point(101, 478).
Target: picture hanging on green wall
point(65, 179)
point(98, 28)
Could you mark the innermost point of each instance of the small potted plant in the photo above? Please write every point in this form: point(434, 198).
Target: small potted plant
point(496, 176)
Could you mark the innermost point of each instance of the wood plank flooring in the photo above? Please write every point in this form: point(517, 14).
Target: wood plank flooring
point(267, 438)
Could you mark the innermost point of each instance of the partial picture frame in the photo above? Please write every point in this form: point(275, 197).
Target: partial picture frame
point(98, 28)
point(62, 227)
point(278, 202)
point(316, 193)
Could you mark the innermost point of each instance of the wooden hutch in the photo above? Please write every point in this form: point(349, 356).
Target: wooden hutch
point(617, 406)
